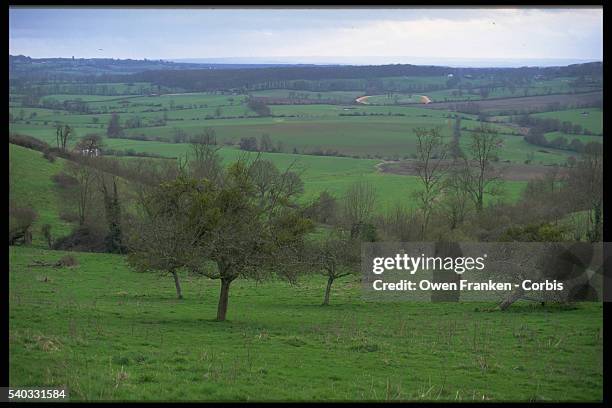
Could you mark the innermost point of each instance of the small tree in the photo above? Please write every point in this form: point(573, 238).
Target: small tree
point(165, 232)
point(46, 231)
point(20, 225)
point(478, 176)
point(114, 128)
point(324, 209)
point(336, 256)
point(265, 143)
point(359, 203)
point(431, 168)
point(204, 159)
point(585, 188)
point(79, 189)
point(107, 184)
point(455, 202)
point(62, 135)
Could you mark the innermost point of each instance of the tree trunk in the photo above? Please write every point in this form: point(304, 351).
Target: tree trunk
point(511, 298)
point(330, 280)
point(479, 203)
point(177, 283)
point(223, 298)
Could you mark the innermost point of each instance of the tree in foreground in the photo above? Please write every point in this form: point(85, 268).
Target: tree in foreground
point(245, 237)
point(194, 222)
point(165, 231)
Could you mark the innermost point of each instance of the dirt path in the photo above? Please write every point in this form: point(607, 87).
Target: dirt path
point(424, 99)
point(380, 167)
point(363, 99)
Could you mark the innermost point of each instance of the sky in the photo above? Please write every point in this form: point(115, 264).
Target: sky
point(420, 35)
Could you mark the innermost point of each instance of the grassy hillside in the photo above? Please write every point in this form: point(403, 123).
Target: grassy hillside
point(31, 186)
point(108, 332)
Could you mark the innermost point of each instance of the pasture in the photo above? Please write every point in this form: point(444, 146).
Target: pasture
point(589, 118)
point(119, 334)
point(359, 131)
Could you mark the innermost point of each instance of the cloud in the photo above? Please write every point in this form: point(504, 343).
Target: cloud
point(203, 33)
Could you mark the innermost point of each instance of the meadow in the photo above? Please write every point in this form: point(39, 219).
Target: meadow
point(383, 132)
point(119, 334)
point(589, 118)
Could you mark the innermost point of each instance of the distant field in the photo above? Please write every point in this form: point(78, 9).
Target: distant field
point(589, 118)
point(530, 102)
point(569, 137)
point(472, 92)
point(348, 96)
point(315, 127)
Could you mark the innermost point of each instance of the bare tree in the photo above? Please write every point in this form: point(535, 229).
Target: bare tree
point(478, 176)
point(335, 257)
point(205, 161)
point(454, 204)
point(83, 187)
point(62, 135)
point(359, 203)
point(431, 168)
point(585, 188)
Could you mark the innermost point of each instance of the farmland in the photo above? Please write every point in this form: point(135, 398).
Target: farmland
point(353, 130)
point(113, 325)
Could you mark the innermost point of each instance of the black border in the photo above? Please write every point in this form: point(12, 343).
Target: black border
point(607, 307)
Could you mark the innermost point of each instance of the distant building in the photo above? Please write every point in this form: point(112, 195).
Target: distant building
point(95, 152)
point(450, 76)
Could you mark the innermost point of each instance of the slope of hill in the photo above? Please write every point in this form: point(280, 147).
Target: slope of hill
point(31, 186)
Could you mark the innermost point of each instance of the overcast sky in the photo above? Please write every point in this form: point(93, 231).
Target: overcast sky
point(475, 33)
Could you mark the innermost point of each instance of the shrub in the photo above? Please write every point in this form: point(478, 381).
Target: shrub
point(28, 142)
point(67, 261)
point(84, 239)
point(64, 180)
point(49, 155)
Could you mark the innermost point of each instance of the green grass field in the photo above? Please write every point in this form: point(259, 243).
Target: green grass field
point(569, 137)
point(334, 174)
point(589, 118)
point(31, 186)
point(107, 332)
point(389, 137)
point(534, 87)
